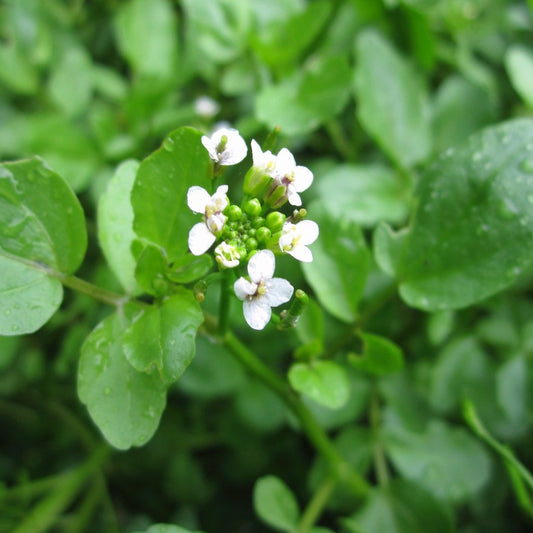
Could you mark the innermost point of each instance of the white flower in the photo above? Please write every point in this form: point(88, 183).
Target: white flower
point(206, 107)
point(227, 255)
point(295, 238)
point(262, 291)
point(295, 177)
point(263, 161)
point(203, 234)
point(225, 146)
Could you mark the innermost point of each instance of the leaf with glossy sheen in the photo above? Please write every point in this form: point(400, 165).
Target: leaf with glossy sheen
point(41, 226)
point(401, 507)
point(159, 194)
point(275, 503)
point(391, 100)
point(340, 263)
point(162, 337)
point(471, 231)
point(323, 381)
point(125, 404)
point(380, 356)
point(115, 225)
point(519, 65)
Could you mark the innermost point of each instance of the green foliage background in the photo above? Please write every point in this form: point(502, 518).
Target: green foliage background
point(415, 353)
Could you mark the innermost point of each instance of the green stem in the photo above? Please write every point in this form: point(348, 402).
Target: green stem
point(339, 139)
point(316, 505)
point(340, 469)
point(103, 295)
point(380, 461)
point(46, 512)
point(225, 302)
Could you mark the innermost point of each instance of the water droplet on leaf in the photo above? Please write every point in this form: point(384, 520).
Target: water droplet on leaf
point(527, 166)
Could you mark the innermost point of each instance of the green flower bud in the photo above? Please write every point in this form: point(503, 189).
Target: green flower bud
point(253, 207)
point(276, 196)
point(242, 251)
point(263, 234)
point(258, 222)
point(233, 212)
point(251, 243)
point(251, 232)
point(274, 221)
point(256, 182)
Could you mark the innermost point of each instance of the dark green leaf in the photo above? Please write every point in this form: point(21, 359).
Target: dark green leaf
point(162, 337)
point(125, 404)
point(159, 195)
point(380, 356)
point(392, 102)
point(340, 264)
point(167, 528)
point(189, 268)
point(471, 231)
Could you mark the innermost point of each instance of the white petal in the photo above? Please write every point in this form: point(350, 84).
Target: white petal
point(302, 253)
point(243, 288)
point(303, 178)
point(234, 151)
point(197, 199)
point(285, 161)
point(257, 312)
point(200, 239)
point(257, 153)
point(279, 291)
point(261, 266)
point(293, 196)
point(211, 147)
point(308, 231)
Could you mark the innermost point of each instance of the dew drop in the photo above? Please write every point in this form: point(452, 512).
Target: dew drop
point(527, 166)
point(168, 144)
point(107, 391)
point(530, 198)
point(7, 312)
point(8, 175)
point(477, 156)
point(507, 210)
point(14, 328)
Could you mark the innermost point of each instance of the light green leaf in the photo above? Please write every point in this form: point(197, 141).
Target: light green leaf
point(275, 503)
point(323, 381)
point(340, 264)
point(401, 507)
point(115, 225)
point(147, 37)
point(471, 232)
point(447, 461)
point(392, 102)
point(365, 194)
point(159, 194)
point(380, 356)
point(167, 528)
point(42, 227)
point(161, 337)
point(514, 386)
point(70, 83)
point(519, 64)
point(125, 404)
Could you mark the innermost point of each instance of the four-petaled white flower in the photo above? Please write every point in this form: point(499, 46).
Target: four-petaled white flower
point(203, 234)
point(295, 238)
point(225, 146)
point(262, 291)
point(263, 161)
point(206, 107)
point(295, 177)
point(227, 255)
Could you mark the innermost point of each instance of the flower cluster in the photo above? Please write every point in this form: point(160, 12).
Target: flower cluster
point(254, 231)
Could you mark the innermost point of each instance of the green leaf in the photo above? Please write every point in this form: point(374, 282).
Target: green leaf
point(167, 528)
point(514, 388)
point(380, 356)
point(189, 268)
point(151, 268)
point(162, 337)
point(340, 264)
point(125, 404)
point(115, 225)
point(323, 381)
point(392, 101)
point(471, 231)
point(445, 460)
point(35, 235)
point(519, 64)
point(146, 35)
point(159, 194)
point(365, 194)
point(401, 507)
point(70, 83)
point(275, 503)
point(299, 104)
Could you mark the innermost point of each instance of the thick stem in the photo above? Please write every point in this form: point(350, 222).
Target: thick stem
point(339, 468)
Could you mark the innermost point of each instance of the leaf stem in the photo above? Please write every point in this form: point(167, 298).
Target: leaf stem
point(315, 507)
point(380, 461)
point(224, 303)
point(102, 295)
point(339, 468)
